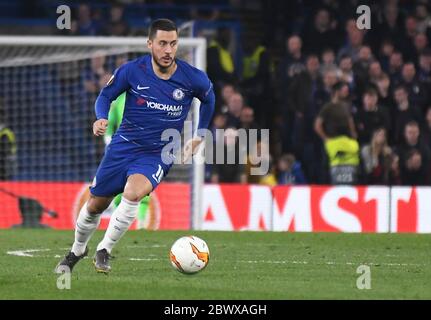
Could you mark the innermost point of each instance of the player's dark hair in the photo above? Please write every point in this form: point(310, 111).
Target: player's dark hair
point(161, 24)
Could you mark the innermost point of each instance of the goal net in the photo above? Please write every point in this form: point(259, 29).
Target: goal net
point(48, 86)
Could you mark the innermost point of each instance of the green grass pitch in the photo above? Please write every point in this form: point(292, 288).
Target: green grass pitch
point(243, 265)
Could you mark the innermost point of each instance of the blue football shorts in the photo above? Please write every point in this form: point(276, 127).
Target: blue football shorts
point(122, 160)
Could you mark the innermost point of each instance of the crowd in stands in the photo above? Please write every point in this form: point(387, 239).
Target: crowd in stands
point(344, 105)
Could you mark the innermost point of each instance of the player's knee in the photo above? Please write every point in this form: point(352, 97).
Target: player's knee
point(95, 207)
point(133, 195)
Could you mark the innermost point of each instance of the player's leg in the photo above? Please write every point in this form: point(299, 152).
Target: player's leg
point(144, 173)
point(137, 187)
point(87, 222)
point(109, 181)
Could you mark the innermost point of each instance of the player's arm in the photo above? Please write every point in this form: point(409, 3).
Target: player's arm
point(114, 117)
point(115, 86)
point(206, 111)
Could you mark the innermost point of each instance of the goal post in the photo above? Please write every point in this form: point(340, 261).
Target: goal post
point(30, 69)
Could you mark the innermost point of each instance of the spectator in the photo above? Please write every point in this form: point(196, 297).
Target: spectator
point(382, 84)
point(335, 120)
point(414, 157)
point(346, 71)
point(259, 168)
point(411, 169)
point(256, 79)
point(407, 41)
point(416, 90)
point(227, 90)
point(246, 119)
point(335, 126)
point(217, 131)
point(355, 42)
point(94, 73)
point(234, 107)
point(328, 59)
point(293, 62)
point(386, 50)
point(360, 69)
point(395, 65)
point(330, 78)
point(220, 65)
point(350, 26)
point(374, 71)
point(427, 129)
point(85, 25)
point(231, 169)
point(371, 116)
point(219, 122)
point(321, 33)
point(303, 102)
point(391, 27)
point(423, 17)
point(292, 65)
point(117, 25)
point(341, 94)
point(402, 114)
point(420, 43)
point(289, 170)
point(377, 158)
point(269, 179)
point(424, 70)
point(95, 77)
point(8, 148)
point(302, 88)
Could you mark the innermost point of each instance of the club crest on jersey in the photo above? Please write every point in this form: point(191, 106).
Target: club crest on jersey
point(178, 94)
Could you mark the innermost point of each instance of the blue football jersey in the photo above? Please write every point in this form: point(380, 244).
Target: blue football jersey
point(152, 104)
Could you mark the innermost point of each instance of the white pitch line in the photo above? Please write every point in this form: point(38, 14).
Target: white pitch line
point(144, 259)
point(26, 252)
point(148, 246)
point(332, 263)
point(30, 253)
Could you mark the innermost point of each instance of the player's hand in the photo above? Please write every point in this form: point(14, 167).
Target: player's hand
point(190, 148)
point(99, 127)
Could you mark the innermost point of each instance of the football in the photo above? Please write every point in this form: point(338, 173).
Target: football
point(189, 254)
